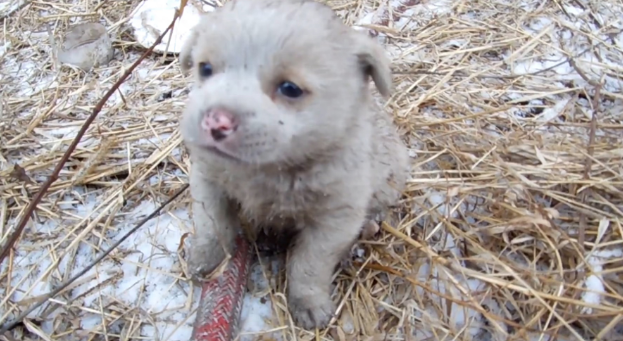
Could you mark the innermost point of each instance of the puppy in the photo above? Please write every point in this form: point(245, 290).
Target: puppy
point(282, 130)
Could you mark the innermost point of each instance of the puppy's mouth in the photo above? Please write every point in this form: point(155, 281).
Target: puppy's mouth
point(219, 152)
point(212, 148)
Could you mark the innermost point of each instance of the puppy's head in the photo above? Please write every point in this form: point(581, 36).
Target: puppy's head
point(277, 81)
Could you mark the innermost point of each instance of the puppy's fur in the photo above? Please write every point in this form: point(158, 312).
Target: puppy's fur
point(324, 164)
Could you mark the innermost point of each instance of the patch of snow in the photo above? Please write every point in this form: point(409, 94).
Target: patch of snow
point(256, 311)
point(4, 48)
point(609, 253)
point(593, 283)
point(152, 17)
point(366, 19)
point(427, 319)
point(565, 44)
point(29, 74)
point(543, 337)
point(460, 317)
point(573, 10)
point(595, 288)
point(9, 6)
point(553, 112)
point(431, 7)
point(144, 274)
point(406, 14)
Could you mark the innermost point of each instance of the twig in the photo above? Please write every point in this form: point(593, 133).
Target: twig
point(100, 5)
point(592, 131)
point(12, 324)
point(581, 73)
point(35, 201)
point(590, 147)
point(589, 161)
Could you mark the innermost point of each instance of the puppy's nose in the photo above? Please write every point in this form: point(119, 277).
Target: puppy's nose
point(219, 122)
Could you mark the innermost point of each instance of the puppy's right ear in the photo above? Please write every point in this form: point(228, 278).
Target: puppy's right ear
point(374, 62)
point(186, 58)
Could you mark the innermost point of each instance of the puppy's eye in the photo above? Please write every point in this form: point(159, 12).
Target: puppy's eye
point(205, 69)
point(290, 89)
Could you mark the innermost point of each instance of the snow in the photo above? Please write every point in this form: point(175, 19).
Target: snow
point(143, 273)
point(595, 289)
point(152, 17)
point(145, 259)
point(564, 45)
point(596, 258)
point(439, 279)
point(553, 112)
point(255, 312)
point(9, 6)
point(4, 48)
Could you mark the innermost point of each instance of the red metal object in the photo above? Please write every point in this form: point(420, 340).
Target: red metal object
point(221, 299)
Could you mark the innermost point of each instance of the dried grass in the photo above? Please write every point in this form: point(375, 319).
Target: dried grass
point(513, 215)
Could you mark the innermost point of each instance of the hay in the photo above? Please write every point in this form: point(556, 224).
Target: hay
point(510, 228)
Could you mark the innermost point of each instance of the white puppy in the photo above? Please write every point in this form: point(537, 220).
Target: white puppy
point(282, 129)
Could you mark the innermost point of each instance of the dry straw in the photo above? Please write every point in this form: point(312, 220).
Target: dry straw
point(510, 223)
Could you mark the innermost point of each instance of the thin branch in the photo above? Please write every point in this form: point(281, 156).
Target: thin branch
point(590, 146)
point(35, 201)
point(16, 321)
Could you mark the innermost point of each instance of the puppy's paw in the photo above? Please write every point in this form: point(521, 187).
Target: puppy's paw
point(203, 260)
point(312, 312)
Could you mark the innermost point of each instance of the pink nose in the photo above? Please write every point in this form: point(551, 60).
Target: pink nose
point(219, 122)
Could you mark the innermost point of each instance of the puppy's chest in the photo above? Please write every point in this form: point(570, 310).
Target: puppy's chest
point(277, 196)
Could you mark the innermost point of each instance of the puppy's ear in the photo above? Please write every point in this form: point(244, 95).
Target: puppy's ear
point(185, 57)
point(374, 62)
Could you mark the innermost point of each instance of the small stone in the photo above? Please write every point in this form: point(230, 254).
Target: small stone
point(369, 229)
point(86, 46)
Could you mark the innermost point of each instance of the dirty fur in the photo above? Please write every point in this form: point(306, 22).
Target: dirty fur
point(322, 165)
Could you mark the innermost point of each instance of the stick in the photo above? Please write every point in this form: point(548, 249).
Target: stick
point(52, 178)
point(17, 320)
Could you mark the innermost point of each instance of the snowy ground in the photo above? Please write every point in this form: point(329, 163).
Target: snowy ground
point(140, 291)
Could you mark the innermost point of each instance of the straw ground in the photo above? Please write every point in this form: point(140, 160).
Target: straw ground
point(510, 228)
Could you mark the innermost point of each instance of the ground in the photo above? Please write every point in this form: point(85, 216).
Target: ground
point(510, 228)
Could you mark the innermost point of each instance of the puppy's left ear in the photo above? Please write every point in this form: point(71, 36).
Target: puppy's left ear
point(374, 62)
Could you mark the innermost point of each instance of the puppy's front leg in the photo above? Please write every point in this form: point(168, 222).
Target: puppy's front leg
point(317, 250)
point(215, 223)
